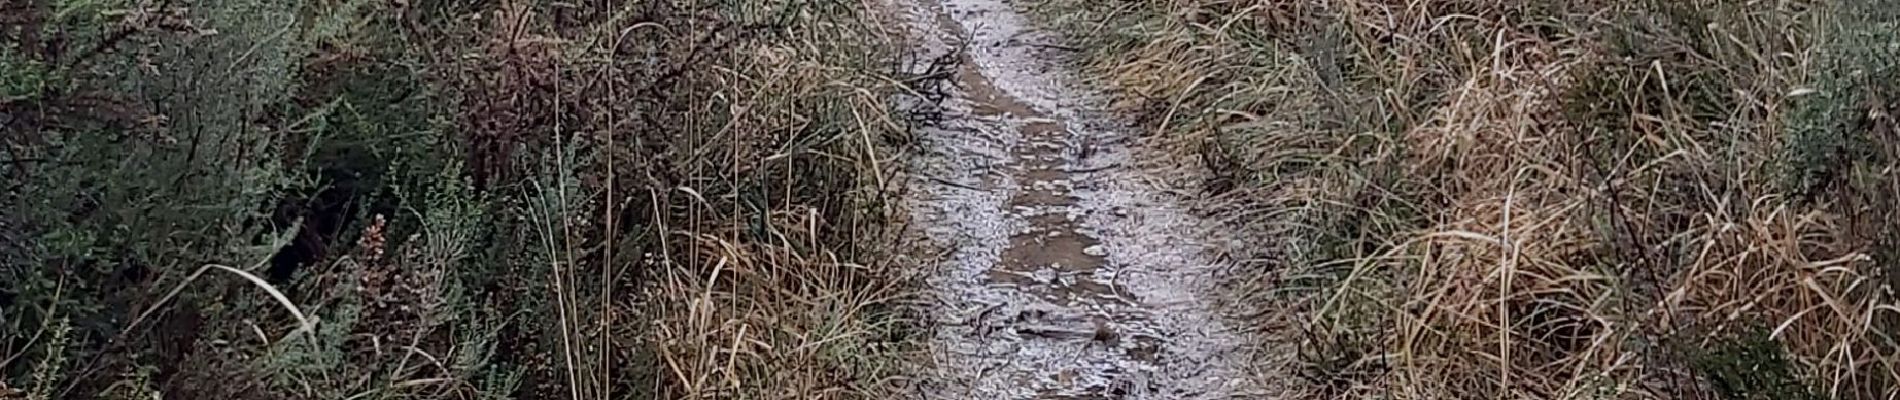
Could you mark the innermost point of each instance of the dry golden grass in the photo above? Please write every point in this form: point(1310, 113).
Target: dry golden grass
point(1666, 199)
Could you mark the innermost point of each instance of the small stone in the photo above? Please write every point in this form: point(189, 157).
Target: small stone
point(1095, 251)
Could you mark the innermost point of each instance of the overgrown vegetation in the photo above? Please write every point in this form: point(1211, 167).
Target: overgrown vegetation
point(1671, 199)
point(362, 199)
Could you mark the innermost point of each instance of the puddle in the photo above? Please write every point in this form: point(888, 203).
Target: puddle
point(1070, 278)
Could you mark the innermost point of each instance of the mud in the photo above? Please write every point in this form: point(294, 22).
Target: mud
point(1072, 277)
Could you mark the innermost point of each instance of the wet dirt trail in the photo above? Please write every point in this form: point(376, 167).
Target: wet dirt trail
point(1068, 275)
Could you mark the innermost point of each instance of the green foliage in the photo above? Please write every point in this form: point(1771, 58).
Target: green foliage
point(160, 150)
point(1856, 68)
point(1751, 367)
point(139, 176)
point(21, 78)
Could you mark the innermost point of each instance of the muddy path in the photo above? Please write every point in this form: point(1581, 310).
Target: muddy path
point(1067, 275)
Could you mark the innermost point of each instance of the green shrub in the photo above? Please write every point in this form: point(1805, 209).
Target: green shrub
point(1751, 367)
point(427, 180)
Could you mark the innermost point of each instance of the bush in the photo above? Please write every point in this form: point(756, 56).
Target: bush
point(445, 199)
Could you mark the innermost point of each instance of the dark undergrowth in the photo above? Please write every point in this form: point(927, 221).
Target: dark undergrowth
point(463, 199)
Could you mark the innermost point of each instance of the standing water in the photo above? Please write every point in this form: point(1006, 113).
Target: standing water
point(1071, 277)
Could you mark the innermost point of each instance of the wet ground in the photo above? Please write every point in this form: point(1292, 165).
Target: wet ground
point(1069, 275)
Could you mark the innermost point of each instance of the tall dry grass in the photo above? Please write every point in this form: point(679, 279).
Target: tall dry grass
point(1515, 199)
